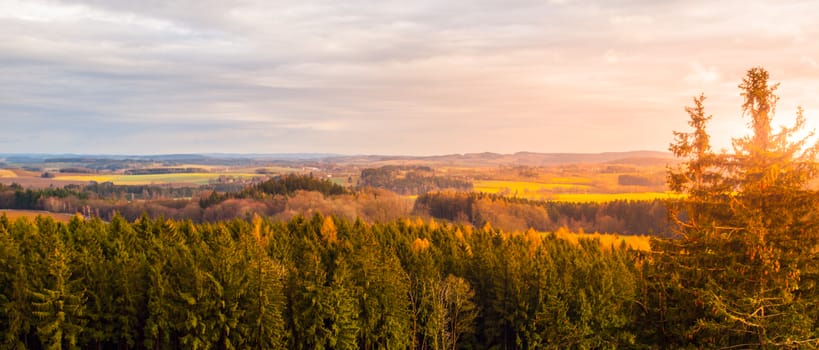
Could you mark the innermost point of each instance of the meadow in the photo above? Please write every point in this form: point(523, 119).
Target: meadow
point(31, 214)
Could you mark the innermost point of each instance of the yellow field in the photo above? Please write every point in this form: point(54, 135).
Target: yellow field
point(191, 178)
point(528, 190)
point(31, 214)
point(608, 197)
point(7, 173)
point(562, 189)
point(607, 240)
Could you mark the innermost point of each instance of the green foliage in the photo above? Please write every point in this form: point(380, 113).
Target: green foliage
point(288, 185)
point(264, 318)
point(58, 306)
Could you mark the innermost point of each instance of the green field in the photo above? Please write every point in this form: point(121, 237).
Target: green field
point(187, 178)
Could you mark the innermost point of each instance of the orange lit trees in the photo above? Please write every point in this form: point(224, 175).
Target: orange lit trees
point(741, 274)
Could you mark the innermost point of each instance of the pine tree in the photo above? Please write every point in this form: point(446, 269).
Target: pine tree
point(340, 309)
point(59, 306)
point(159, 292)
point(12, 288)
point(748, 228)
point(266, 292)
point(127, 263)
point(382, 294)
point(307, 300)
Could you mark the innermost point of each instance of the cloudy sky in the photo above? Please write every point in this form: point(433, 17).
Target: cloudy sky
point(388, 76)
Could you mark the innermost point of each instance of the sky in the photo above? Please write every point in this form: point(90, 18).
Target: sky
point(421, 77)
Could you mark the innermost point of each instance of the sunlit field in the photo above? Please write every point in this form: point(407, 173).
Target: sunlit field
point(530, 190)
point(7, 173)
point(31, 214)
point(573, 189)
point(188, 178)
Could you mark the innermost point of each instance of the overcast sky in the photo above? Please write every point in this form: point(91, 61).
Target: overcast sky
point(389, 77)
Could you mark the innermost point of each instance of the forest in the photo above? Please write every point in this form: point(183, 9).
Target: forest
point(318, 282)
point(509, 213)
point(410, 180)
point(737, 269)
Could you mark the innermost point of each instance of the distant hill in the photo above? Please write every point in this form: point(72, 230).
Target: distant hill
point(468, 159)
point(641, 158)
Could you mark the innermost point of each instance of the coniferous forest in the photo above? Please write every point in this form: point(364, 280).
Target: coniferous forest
point(310, 283)
point(740, 272)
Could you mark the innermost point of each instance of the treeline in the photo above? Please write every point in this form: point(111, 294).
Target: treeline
point(310, 283)
point(71, 197)
point(281, 198)
point(410, 180)
point(108, 190)
point(288, 185)
point(173, 202)
point(621, 216)
point(636, 180)
point(15, 196)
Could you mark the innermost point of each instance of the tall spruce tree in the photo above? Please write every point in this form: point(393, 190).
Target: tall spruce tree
point(748, 227)
point(59, 305)
point(266, 293)
point(12, 290)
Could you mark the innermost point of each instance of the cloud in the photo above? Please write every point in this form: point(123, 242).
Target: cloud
point(702, 75)
point(809, 61)
point(401, 77)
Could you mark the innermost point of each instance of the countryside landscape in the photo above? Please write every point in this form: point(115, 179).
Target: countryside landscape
point(430, 175)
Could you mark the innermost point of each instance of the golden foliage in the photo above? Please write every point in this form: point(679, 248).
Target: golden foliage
point(329, 233)
point(420, 245)
point(534, 239)
point(459, 235)
point(641, 243)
